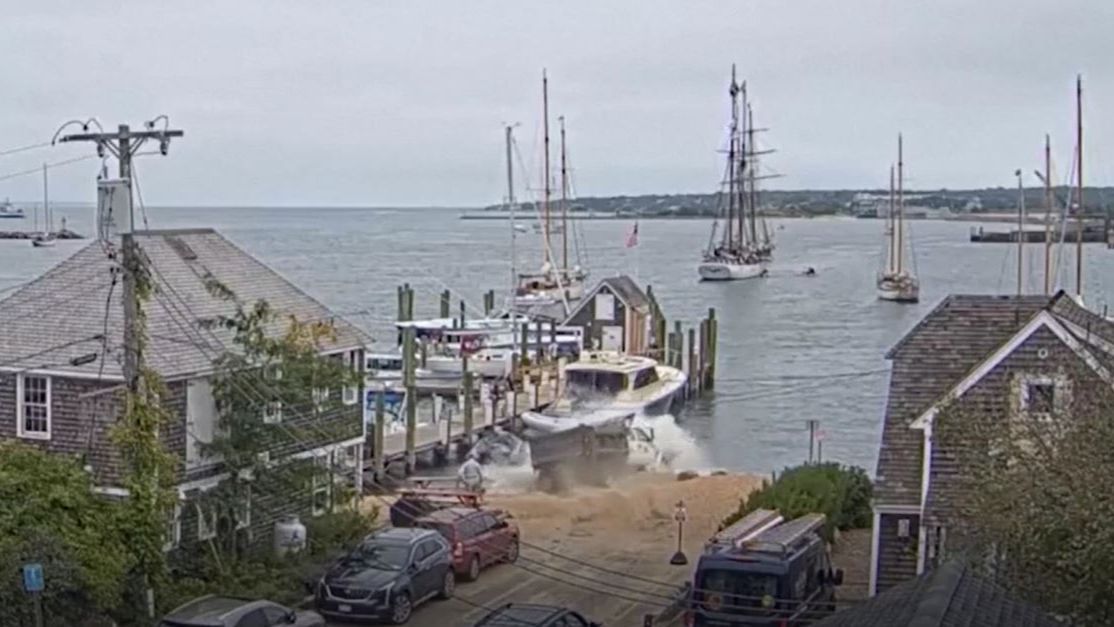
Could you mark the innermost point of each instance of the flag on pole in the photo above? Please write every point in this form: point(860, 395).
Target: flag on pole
point(632, 237)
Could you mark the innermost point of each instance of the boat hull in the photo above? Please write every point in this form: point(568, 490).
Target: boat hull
point(720, 271)
point(905, 290)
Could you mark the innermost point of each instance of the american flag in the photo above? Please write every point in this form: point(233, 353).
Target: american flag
point(632, 237)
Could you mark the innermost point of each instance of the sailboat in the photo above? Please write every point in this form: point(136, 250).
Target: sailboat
point(896, 282)
point(45, 238)
point(739, 253)
point(552, 283)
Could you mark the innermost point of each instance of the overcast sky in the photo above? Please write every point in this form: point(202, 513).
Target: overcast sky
point(400, 103)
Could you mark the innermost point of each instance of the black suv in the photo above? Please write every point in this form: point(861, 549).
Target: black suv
point(524, 615)
point(391, 572)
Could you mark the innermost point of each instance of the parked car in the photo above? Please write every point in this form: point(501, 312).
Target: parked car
point(387, 576)
point(525, 615)
point(217, 611)
point(479, 537)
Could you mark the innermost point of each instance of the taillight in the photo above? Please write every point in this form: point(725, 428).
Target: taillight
point(458, 550)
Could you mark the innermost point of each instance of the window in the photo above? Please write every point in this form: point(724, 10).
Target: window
point(645, 377)
point(242, 511)
point(321, 485)
point(903, 528)
point(936, 546)
point(272, 413)
point(351, 393)
point(173, 528)
point(351, 456)
point(320, 398)
point(604, 306)
point(206, 521)
point(1040, 397)
point(272, 409)
point(33, 419)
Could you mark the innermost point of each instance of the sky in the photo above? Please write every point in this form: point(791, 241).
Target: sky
point(402, 102)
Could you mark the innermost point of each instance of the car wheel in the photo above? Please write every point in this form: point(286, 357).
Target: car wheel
point(448, 585)
point(512, 552)
point(473, 568)
point(401, 609)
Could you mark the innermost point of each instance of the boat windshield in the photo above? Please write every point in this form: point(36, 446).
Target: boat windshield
point(588, 382)
point(645, 377)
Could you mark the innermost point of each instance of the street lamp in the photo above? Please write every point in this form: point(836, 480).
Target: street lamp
point(680, 514)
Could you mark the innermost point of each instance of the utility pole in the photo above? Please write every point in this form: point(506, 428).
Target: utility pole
point(124, 144)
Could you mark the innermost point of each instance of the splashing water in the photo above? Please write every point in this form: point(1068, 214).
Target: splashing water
point(674, 442)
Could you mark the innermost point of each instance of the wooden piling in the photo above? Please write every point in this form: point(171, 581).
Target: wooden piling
point(489, 302)
point(446, 303)
point(713, 339)
point(540, 353)
point(466, 390)
point(692, 361)
point(701, 355)
point(411, 398)
point(424, 352)
point(678, 346)
point(462, 314)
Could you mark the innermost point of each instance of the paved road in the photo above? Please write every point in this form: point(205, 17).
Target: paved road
point(524, 583)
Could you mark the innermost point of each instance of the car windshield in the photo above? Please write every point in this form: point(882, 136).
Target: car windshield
point(385, 556)
point(727, 589)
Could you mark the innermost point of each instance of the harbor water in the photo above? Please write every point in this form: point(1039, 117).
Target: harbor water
point(792, 347)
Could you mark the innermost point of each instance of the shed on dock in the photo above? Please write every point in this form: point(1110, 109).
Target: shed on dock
point(615, 315)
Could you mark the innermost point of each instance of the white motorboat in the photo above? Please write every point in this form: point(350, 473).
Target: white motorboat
point(563, 421)
point(896, 282)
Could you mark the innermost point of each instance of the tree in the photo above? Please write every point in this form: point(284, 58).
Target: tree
point(51, 516)
point(275, 391)
point(1034, 495)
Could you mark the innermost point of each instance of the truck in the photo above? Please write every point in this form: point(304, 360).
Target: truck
point(584, 454)
point(764, 570)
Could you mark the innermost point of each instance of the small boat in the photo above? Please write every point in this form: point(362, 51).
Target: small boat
point(383, 371)
point(43, 240)
point(8, 210)
point(896, 282)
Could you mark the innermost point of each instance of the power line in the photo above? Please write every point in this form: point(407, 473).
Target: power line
point(39, 169)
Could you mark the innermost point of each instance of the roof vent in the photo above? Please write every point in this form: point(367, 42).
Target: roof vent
point(183, 249)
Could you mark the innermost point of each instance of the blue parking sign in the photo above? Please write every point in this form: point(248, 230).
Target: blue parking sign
point(33, 577)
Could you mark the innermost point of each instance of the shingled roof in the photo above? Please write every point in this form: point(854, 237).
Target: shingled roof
point(951, 340)
point(76, 308)
point(949, 596)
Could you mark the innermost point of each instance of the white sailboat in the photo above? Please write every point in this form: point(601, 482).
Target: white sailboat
point(740, 253)
point(46, 237)
point(897, 282)
point(553, 283)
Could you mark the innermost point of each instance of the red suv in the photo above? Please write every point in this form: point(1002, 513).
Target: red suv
point(479, 537)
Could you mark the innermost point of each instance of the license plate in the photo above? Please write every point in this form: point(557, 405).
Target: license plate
point(344, 608)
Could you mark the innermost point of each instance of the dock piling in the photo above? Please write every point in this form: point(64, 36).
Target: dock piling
point(378, 462)
point(446, 303)
point(466, 391)
point(710, 361)
point(411, 398)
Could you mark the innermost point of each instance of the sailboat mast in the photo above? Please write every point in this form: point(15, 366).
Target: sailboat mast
point(732, 167)
point(1079, 185)
point(545, 205)
point(752, 162)
point(1047, 215)
point(564, 200)
point(891, 220)
point(900, 203)
point(510, 204)
point(741, 169)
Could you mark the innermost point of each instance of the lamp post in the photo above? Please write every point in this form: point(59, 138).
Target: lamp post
point(680, 514)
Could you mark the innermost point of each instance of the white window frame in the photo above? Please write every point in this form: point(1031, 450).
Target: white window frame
point(320, 398)
point(350, 456)
point(206, 530)
point(350, 395)
point(174, 526)
point(21, 403)
point(242, 513)
point(272, 413)
point(1060, 389)
point(603, 307)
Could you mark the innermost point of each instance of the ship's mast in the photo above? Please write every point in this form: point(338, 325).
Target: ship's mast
point(891, 222)
point(1047, 215)
point(753, 194)
point(732, 171)
point(510, 206)
point(900, 203)
point(564, 200)
point(1079, 185)
point(545, 173)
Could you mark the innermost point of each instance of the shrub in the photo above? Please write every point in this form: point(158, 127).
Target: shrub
point(842, 493)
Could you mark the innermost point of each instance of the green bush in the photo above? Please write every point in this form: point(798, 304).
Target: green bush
point(842, 493)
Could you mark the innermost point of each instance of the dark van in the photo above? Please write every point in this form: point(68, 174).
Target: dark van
point(764, 570)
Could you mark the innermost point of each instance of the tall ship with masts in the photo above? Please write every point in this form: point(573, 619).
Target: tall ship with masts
point(556, 281)
point(740, 246)
point(897, 282)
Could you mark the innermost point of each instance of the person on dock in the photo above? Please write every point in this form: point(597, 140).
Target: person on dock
point(471, 474)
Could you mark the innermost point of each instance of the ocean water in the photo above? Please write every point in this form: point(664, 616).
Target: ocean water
point(791, 347)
